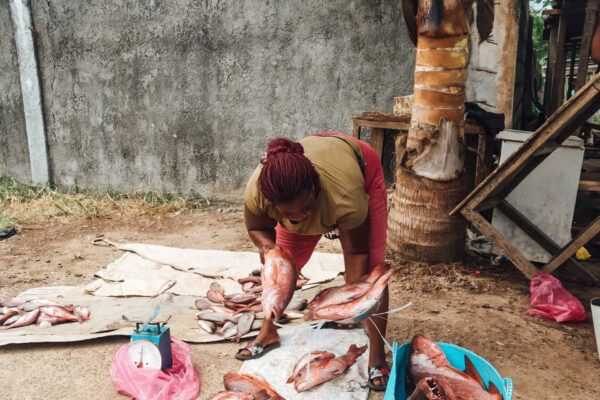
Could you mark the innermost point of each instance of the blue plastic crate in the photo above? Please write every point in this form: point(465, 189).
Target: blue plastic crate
point(396, 389)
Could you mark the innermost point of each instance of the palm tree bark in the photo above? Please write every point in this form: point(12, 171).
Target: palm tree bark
point(430, 159)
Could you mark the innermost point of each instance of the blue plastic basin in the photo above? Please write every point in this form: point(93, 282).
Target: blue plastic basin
point(396, 388)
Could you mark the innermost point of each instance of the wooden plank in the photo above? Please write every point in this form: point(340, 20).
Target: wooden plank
point(513, 254)
point(376, 141)
point(480, 164)
point(538, 236)
point(558, 127)
point(399, 126)
point(592, 230)
point(590, 176)
point(550, 66)
point(589, 186)
point(356, 130)
point(558, 11)
point(586, 42)
point(558, 87)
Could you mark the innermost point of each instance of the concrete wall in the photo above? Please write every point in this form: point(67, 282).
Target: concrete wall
point(184, 95)
point(14, 156)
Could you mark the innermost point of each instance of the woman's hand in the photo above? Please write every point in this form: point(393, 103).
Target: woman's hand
point(355, 244)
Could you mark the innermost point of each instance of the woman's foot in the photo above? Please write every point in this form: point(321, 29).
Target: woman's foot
point(378, 377)
point(267, 339)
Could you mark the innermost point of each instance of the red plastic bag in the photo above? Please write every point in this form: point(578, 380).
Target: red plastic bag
point(180, 382)
point(551, 300)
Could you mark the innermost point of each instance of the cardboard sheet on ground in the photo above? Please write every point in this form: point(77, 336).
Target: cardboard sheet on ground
point(106, 317)
point(144, 268)
point(277, 365)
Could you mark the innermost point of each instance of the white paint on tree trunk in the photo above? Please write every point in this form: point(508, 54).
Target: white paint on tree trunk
point(30, 89)
point(444, 159)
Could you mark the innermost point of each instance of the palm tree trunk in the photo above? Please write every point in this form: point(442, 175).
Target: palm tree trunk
point(430, 159)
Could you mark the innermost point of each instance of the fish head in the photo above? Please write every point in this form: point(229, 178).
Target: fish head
point(434, 388)
point(424, 351)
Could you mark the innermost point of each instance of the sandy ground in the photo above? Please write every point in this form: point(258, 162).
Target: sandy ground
point(482, 312)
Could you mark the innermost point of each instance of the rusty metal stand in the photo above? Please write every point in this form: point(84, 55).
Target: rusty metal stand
point(493, 190)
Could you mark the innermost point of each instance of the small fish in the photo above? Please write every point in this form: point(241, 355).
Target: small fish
point(244, 325)
point(207, 326)
point(297, 305)
point(357, 307)
point(49, 319)
point(31, 305)
point(215, 297)
point(12, 318)
point(248, 287)
point(242, 298)
point(164, 287)
point(426, 359)
point(8, 313)
point(256, 324)
point(216, 286)
point(218, 318)
point(249, 279)
point(201, 304)
point(300, 283)
point(432, 388)
point(259, 315)
point(45, 324)
point(247, 383)
point(308, 357)
point(57, 311)
point(293, 315)
point(230, 332)
point(82, 313)
point(220, 309)
point(25, 319)
point(225, 327)
point(279, 277)
point(324, 370)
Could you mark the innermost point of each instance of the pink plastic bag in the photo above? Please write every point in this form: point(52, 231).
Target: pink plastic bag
point(181, 382)
point(551, 300)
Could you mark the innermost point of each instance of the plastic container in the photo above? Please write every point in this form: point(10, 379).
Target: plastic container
point(396, 389)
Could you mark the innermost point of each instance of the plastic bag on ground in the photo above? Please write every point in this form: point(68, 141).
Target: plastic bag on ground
point(551, 300)
point(180, 382)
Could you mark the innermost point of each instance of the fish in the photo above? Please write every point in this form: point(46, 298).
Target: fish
point(324, 370)
point(230, 332)
point(207, 326)
point(164, 287)
point(357, 307)
point(8, 313)
point(259, 315)
point(432, 388)
point(226, 326)
point(239, 396)
point(426, 359)
point(244, 325)
point(215, 296)
point(297, 305)
point(49, 319)
point(58, 311)
point(250, 287)
point(345, 293)
point(12, 318)
point(25, 319)
point(256, 324)
point(216, 286)
point(308, 357)
point(242, 298)
point(300, 283)
point(218, 318)
point(247, 383)
point(249, 279)
point(31, 305)
point(201, 304)
point(278, 281)
point(82, 313)
point(292, 315)
point(220, 309)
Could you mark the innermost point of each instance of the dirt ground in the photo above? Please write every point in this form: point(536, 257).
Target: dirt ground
point(452, 303)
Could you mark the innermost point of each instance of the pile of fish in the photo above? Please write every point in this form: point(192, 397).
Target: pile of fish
point(14, 314)
point(235, 315)
point(318, 367)
point(246, 387)
point(436, 379)
point(352, 302)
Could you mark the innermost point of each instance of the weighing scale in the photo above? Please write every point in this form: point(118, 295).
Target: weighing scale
point(150, 345)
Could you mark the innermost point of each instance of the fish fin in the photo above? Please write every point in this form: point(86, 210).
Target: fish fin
point(493, 390)
point(472, 371)
point(290, 379)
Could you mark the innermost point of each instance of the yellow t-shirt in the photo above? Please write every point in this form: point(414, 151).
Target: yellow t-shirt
point(342, 202)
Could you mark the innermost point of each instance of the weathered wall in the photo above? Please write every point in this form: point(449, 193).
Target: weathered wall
point(184, 95)
point(14, 156)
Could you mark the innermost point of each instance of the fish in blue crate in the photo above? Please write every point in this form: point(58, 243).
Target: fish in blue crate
point(444, 372)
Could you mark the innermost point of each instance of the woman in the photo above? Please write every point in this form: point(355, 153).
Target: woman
point(304, 189)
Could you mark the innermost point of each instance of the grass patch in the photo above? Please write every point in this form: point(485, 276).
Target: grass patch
point(21, 203)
